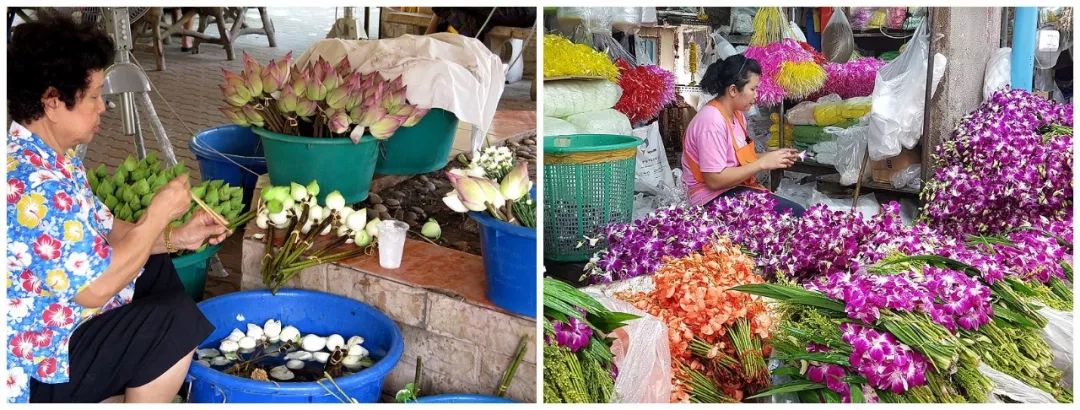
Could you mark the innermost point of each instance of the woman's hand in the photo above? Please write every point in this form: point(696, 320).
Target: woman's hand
point(202, 228)
point(172, 201)
point(778, 159)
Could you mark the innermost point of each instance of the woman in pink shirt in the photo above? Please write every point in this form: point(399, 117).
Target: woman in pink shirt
point(718, 156)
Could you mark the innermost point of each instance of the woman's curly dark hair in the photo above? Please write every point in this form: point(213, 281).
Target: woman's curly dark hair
point(734, 70)
point(52, 51)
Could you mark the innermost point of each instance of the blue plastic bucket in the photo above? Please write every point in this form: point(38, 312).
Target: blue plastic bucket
point(463, 398)
point(509, 263)
point(235, 143)
point(311, 312)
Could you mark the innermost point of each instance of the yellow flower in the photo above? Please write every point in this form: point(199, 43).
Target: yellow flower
point(73, 231)
point(57, 280)
point(31, 210)
point(12, 163)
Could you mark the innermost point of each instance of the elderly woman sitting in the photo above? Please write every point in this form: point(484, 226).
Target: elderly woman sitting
point(95, 307)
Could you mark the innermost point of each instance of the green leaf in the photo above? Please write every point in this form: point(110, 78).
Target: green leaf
point(831, 396)
point(832, 358)
point(790, 387)
point(856, 393)
point(786, 371)
point(788, 293)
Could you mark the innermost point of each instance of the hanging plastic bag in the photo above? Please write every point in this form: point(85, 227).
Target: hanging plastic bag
point(837, 41)
point(653, 171)
point(907, 176)
point(796, 32)
point(641, 354)
point(850, 149)
point(896, 119)
point(997, 72)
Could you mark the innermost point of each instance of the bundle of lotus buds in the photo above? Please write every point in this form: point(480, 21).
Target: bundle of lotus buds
point(295, 211)
point(318, 100)
point(299, 351)
point(507, 199)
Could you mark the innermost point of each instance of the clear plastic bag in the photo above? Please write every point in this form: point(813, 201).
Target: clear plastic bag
point(653, 173)
point(796, 192)
point(837, 41)
point(1058, 334)
point(568, 97)
point(607, 121)
point(896, 119)
point(801, 114)
point(907, 176)
point(997, 72)
point(850, 149)
point(555, 126)
point(742, 19)
point(1016, 390)
point(867, 205)
point(642, 355)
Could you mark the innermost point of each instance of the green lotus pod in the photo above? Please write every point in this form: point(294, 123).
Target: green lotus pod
point(130, 163)
point(146, 200)
point(216, 184)
point(212, 197)
point(199, 191)
point(142, 187)
point(110, 201)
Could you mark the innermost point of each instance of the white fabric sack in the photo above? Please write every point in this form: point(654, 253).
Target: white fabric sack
point(653, 173)
point(896, 119)
point(568, 97)
point(606, 121)
point(448, 71)
point(555, 126)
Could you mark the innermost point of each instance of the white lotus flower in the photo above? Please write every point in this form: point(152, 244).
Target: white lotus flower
point(316, 214)
point(308, 226)
point(321, 357)
point(357, 350)
point(334, 341)
point(298, 355)
point(313, 343)
point(295, 364)
point(272, 328)
point(357, 220)
point(208, 353)
point(202, 363)
point(280, 219)
point(255, 332)
point(273, 339)
point(290, 333)
point(258, 236)
point(236, 335)
point(299, 192)
point(344, 213)
point(335, 201)
point(229, 346)
point(247, 343)
point(352, 362)
point(343, 231)
point(220, 361)
point(355, 340)
point(373, 227)
point(262, 221)
point(281, 373)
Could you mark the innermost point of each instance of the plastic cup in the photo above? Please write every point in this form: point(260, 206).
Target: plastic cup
point(391, 243)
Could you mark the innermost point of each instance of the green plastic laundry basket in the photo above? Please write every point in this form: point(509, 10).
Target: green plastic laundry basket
point(588, 184)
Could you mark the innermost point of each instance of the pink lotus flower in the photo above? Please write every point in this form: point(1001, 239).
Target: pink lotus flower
point(235, 115)
point(253, 116)
point(338, 121)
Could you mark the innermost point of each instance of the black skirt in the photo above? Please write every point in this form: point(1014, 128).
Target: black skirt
point(133, 344)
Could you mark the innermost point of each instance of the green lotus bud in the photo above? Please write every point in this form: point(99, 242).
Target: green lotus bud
point(362, 238)
point(106, 187)
point(152, 157)
point(224, 194)
point(130, 163)
point(199, 191)
point(223, 208)
point(101, 171)
point(124, 209)
point(232, 215)
point(120, 177)
point(313, 187)
point(431, 229)
point(237, 200)
point(142, 187)
point(92, 179)
point(274, 206)
point(138, 174)
point(146, 199)
point(138, 214)
point(180, 168)
point(126, 194)
point(110, 201)
point(212, 197)
point(216, 184)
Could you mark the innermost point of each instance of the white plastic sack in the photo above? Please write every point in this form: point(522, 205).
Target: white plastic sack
point(1015, 390)
point(607, 121)
point(997, 72)
point(837, 41)
point(653, 173)
point(896, 119)
point(568, 97)
point(742, 19)
point(801, 114)
point(723, 47)
point(642, 355)
point(825, 152)
point(555, 126)
point(1058, 334)
point(912, 175)
point(850, 149)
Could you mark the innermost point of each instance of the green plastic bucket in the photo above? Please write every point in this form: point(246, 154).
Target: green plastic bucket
point(337, 163)
point(588, 184)
point(419, 149)
point(192, 270)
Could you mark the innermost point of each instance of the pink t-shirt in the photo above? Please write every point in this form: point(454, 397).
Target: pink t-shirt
point(707, 142)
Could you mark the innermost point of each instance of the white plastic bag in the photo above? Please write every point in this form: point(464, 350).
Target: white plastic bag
point(1058, 334)
point(1016, 390)
point(742, 19)
point(837, 41)
point(907, 176)
point(896, 119)
point(796, 192)
point(723, 47)
point(653, 173)
point(867, 205)
point(997, 72)
point(607, 121)
point(801, 114)
point(555, 126)
point(850, 149)
point(641, 354)
point(568, 97)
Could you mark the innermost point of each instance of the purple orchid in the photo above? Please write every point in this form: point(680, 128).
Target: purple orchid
point(572, 334)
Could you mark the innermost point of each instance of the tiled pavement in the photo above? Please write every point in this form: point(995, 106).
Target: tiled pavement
point(187, 98)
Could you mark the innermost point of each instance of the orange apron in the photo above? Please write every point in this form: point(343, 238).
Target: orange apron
point(744, 155)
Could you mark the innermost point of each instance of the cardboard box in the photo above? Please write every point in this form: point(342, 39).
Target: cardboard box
point(882, 171)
